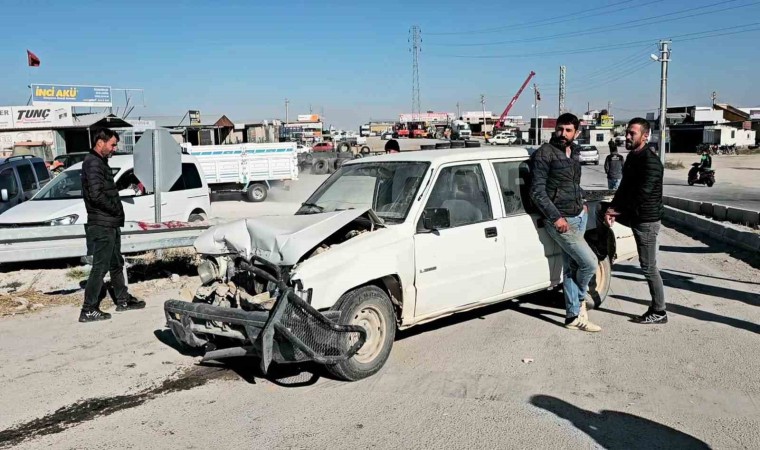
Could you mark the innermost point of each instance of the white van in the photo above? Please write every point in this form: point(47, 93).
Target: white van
point(60, 202)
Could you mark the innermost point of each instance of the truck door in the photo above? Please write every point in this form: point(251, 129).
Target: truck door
point(464, 263)
point(532, 257)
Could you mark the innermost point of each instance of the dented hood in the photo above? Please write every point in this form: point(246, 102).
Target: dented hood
point(281, 240)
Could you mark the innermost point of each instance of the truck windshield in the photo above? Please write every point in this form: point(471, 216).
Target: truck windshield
point(387, 187)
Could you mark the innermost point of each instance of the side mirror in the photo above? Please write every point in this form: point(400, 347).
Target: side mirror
point(436, 219)
point(4, 195)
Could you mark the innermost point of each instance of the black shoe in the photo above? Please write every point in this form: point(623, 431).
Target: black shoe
point(93, 315)
point(652, 317)
point(130, 303)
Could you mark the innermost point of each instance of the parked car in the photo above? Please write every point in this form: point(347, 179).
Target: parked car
point(388, 135)
point(60, 202)
point(385, 243)
point(300, 148)
point(620, 141)
point(503, 139)
point(20, 178)
point(323, 147)
point(589, 154)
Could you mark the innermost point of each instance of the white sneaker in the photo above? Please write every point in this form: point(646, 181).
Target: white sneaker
point(583, 325)
point(583, 315)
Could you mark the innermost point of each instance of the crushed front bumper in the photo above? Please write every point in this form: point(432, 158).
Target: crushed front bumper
point(292, 331)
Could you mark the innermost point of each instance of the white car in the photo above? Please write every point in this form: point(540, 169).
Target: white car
point(385, 243)
point(300, 148)
point(589, 154)
point(503, 139)
point(60, 202)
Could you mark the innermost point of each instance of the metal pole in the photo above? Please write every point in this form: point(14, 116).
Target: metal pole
point(286, 110)
point(156, 186)
point(664, 59)
point(535, 112)
point(483, 105)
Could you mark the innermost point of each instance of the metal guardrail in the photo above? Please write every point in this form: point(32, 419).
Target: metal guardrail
point(69, 241)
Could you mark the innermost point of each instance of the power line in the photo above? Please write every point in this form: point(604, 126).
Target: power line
point(617, 46)
point(637, 68)
point(615, 27)
point(545, 22)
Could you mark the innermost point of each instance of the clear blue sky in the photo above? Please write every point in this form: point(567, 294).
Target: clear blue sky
point(351, 58)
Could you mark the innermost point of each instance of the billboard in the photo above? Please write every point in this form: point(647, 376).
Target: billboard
point(308, 117)
point(71, 95)
point(606, 121)
point(754, 114)
point(35, 117)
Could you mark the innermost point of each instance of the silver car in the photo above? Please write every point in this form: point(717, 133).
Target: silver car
point(589, 154)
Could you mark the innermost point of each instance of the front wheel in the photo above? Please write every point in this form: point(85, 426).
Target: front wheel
point(599, 286)
point(370, 308)
point(691, 182)
point(710, 183)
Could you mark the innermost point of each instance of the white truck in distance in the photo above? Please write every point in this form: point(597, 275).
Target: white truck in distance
point(246, 168)
point(385, 243)
point(460, 130)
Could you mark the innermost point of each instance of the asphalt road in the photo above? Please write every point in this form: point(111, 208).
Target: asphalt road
point(737, 179)
point(460, 382)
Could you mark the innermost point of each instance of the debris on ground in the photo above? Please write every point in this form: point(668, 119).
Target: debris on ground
point(527, 360)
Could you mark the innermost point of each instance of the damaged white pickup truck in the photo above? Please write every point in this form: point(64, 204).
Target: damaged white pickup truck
point(385, 243)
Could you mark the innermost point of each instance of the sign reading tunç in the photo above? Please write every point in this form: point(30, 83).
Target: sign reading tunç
point(37, 117)
point(71, 95)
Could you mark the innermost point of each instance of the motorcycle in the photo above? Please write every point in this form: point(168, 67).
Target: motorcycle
point(700, 176)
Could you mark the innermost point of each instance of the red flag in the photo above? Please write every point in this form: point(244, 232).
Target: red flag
point(32, 59)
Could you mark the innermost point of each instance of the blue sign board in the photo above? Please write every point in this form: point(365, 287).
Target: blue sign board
point(71, 95)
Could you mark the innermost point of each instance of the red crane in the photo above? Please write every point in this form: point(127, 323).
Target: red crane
point(500, 122)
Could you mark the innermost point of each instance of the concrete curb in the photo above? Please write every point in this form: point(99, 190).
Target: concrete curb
point(724, 232)
point(718, 212)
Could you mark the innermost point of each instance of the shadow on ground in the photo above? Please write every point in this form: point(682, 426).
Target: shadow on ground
point(618, 430)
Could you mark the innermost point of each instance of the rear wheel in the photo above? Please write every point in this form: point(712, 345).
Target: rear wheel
point(196, 217)
point(370, 308)
point(319, 166)
point(599, 286)
point(256, 192)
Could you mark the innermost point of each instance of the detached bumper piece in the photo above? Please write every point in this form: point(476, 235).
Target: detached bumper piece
point(292, 331)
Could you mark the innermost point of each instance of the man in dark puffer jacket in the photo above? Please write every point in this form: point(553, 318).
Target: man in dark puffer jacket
point(557, 193)
point(105, 217)
point(638, 204)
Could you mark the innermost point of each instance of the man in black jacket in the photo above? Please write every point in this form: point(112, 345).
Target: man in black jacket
point(638, 204)
point(613, 167)
point(105, 217)
point(556, 192)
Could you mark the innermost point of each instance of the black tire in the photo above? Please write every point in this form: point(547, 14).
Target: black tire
point(710, 183)
point(442, 145)
point(344, 147)
point(340, 161)
point(358, 155)
point(427, 147)
point(458, 144)
point(596, 163)
point(331, 165)
point(370, 307)
point(691, 182)
point(309, 157)
point(196, 218)
point(257, 192)
point(599, 286)
point(472, 144)
point(365, 150)
point(320, 166)
point(345, 155)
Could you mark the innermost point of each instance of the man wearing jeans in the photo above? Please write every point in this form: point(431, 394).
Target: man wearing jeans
point(638, 204)
point(556, 192)
point(105, 216)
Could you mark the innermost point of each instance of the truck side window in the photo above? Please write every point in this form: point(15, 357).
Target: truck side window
point(28, 182)
point(508, 174)
point(8, 181)
point(462, 190)
point(42, 172)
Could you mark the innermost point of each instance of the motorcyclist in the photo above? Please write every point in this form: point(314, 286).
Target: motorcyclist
point(706, 161)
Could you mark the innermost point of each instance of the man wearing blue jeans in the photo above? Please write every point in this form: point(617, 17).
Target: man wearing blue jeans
point(638, 204)
point(556, 192)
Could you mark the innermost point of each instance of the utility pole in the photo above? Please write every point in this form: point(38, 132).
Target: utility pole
point(535, 113)
point(562, 74)
point(286, 110)
point(458, 113)
point(714, 97)
point(483, 105)
point(609, 108)
point(664, 60)
point(415, 39)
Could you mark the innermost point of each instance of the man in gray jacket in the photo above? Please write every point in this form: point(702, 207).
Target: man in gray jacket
point(556, 192)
